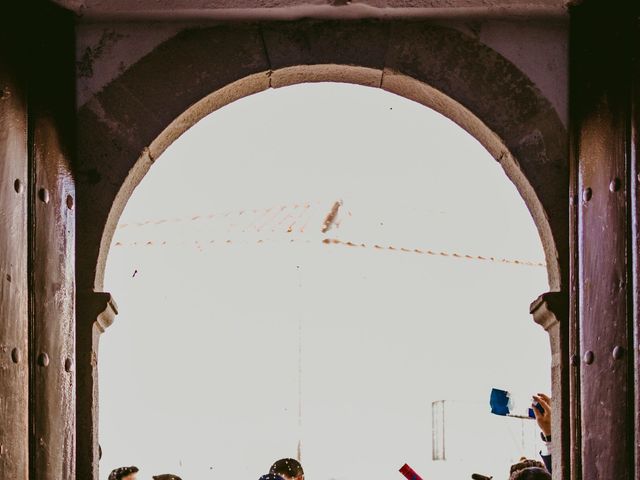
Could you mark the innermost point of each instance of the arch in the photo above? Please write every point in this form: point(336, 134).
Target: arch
point(126, 126)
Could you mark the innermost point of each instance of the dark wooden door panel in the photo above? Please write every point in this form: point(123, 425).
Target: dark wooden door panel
point(52, 245)
point(601, 86)
point(14, 446)
point(635, 181)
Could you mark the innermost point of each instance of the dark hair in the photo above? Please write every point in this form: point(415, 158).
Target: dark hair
point(120, 473)
point(531, 473)
point(287, 466)
point(166, 476)
point(525, 463)
point(271, 476)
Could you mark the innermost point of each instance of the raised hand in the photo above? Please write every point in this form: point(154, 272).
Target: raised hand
point(543, 419)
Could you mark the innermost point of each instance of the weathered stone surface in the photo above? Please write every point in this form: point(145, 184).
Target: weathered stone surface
point(328, 47)
point(195, 63)
point(311, 43)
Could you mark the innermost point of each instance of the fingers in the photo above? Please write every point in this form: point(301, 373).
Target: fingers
point(536, 412)
point(544, 401)
point(545, 397)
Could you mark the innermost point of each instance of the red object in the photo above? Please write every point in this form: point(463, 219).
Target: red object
point(408, 472)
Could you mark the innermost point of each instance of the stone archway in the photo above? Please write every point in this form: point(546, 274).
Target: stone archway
point(125, 127)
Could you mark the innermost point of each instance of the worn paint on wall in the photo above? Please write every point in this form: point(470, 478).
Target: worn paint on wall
point(538, 48)
point(103, 52)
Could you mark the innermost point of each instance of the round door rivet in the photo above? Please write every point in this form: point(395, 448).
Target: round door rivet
point(618, 352)
point(15, 355)
point(18, 186)
point(615, 184)
point(43, 360)
point(69, 202)
point(43, 194)
point(587, 194)
point(68, 365)
point(574, 360)
point(588, 357)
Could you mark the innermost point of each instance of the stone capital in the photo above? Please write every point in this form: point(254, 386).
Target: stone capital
point(97, 308)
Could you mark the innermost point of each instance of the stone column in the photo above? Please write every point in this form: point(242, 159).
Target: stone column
point(96, 312)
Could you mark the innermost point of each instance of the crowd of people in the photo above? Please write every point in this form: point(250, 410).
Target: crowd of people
point(284, 469)
point(291, 469)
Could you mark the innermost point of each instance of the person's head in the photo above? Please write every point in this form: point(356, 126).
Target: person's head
point(124, 473)
point(166, 476)
point(531, 473)
point(288, 469)
point(271, 476)
point(525, 463)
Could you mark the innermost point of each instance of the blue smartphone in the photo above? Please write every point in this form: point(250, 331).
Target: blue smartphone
point(537, 407)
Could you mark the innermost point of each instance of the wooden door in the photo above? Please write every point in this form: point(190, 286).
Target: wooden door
point(14, 321)
point(604, 43)
point(51, 242)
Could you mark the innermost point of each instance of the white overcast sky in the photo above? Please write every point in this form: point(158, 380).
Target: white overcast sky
point(241, 333)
